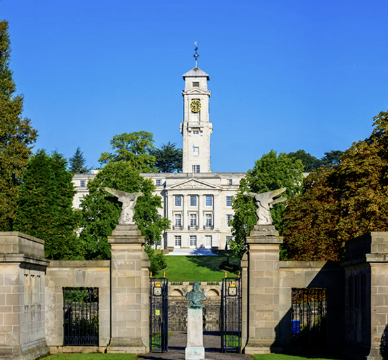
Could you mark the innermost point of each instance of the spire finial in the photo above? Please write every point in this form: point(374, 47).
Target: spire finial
point(196, 54)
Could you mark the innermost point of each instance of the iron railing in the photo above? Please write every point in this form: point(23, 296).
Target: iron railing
point(309, 317)
point(158, 314)
point(80, 316)
point(231, 315)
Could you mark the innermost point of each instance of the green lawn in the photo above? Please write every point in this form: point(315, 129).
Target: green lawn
point(196, 268)
point(91, 357)
point(289, 357)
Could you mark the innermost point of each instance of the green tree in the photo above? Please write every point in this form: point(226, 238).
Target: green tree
point(269, 173)
point(77, 163)
point(134, 148)
point(99, 217)
point(332, 158)
point(16, 136)
point(309, 161)
point(168, 158)
point(341, 202)
point(45, 205)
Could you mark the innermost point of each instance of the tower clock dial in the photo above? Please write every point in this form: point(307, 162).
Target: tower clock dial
point(195, 106)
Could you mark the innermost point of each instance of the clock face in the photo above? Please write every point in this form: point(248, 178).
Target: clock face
point(195, 106)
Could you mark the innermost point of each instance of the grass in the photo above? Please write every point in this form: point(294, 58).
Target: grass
point(196, 268)
point(97, 356)
point(289, 357)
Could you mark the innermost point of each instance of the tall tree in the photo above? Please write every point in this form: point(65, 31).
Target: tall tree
point(271, 172)
point(16, 136)
point(45, 205)
point(341, 202)
point(99, 217)
point(168, 158)
point(77, 163)
point(309, 161)
point(134, 148)
point(332, 158)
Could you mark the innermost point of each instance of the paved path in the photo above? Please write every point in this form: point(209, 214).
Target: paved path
point(177, 344)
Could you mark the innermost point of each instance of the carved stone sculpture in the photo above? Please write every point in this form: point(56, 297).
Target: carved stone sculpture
point(127, 202)
point(264, 203)
point(195, 296)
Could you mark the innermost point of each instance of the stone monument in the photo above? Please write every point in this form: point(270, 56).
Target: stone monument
point(195, 349)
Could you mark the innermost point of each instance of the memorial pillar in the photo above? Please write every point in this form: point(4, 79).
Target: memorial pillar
point(130, 291)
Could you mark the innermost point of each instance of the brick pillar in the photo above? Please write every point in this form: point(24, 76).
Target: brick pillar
point(263, 289)
point(22, 296)
point(130, 292)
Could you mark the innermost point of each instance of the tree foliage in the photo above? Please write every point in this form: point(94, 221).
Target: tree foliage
point(45, 205)
point(341, 202)
point(99, 217)
point(16, 136)
point(134, 148)
point(269, 173)
point(77, 163)
point(168, 158)
point(309, 161)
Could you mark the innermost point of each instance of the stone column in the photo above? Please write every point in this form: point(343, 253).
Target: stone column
point(244, 300)
point(263, 288)
point(194, 349)
point(22, 296)
point(130, 291)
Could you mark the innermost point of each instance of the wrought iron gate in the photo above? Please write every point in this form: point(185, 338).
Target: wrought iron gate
point(309, 317)
point(80, 316)
point(158, 314)
point(231, 315)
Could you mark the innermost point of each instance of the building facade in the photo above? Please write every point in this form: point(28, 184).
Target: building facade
point(197, 201)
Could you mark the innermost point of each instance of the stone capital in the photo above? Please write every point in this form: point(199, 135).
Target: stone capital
point(264, 234)
point(126, 234)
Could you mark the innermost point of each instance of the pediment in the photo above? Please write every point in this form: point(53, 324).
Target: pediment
point(193, 184)
point(197, 92)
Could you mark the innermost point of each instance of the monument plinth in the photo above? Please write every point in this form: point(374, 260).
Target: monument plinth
point(195, 349)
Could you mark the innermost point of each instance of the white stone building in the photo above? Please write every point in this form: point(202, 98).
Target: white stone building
point(197, 201)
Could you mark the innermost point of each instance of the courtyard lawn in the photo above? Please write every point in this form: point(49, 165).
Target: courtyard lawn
point(91, 357)
point(196, 268)
point(291, 357)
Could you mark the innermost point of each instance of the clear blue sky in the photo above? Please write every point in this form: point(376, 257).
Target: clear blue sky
point(284, 75)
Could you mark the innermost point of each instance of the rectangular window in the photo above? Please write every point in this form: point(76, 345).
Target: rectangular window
point(82, 183)
point(196, 169)
point(158, 242)
point(193, 220)
point(208, 200)
point(178, 200)
point(209, 221)
point(357, 291)
point(178, 241)
point(228, 201)
point(351, 291)
point(229, 217)
point(158, 182)
point(196, 132)
point(193, 241)
point(208, 241)
point(363, 290)
point(195, 117)
point(193, 200)
point(178, 221)
point(228, 240)
point(196, 84)
point(230, 181)
point(195, 150)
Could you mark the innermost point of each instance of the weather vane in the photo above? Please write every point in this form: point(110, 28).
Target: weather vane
point(196, 54)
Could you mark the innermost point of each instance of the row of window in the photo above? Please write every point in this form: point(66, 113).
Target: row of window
point(193, 241)
point(194, 221)
point(194, 200)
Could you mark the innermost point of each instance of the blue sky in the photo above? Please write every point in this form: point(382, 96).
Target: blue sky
point(284, 75)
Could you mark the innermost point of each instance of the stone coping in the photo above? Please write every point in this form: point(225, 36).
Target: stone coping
point(22, 235)
point(308, 264)
point(21, 258)
point(79, 263)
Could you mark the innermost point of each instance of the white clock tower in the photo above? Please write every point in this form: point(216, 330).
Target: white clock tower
point(196, 127)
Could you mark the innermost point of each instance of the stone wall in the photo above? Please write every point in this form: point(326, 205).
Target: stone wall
point(62, 274)
point(22, 301)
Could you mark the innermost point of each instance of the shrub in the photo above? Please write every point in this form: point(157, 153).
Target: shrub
point(157, 259)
